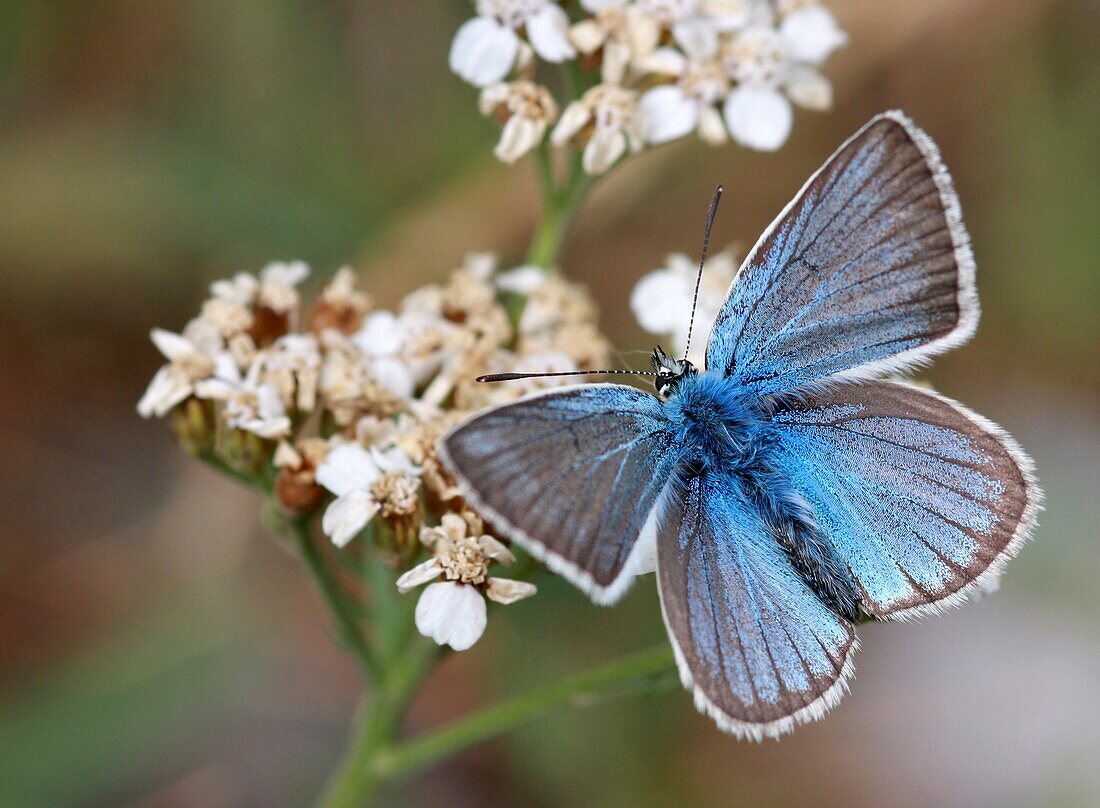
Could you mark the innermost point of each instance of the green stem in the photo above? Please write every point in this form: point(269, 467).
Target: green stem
point(343, 615)
point(558, 207)
point(379, 721)
point(645, 672)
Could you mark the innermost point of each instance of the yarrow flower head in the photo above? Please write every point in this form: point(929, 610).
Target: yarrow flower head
point(452, 611)
point(663, 69)
point(337, 406)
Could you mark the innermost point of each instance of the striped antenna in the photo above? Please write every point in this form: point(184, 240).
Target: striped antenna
point(702, 260)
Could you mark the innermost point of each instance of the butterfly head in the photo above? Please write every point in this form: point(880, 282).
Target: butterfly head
point(670, 371)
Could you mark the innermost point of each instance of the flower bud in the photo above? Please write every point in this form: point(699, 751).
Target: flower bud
point(193, 425)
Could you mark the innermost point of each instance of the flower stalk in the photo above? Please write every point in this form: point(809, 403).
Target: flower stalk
point(559, 203)
point(372, 761)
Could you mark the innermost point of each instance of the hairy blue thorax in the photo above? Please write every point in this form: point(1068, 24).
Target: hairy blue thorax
point(724, 430)
point(717, 424)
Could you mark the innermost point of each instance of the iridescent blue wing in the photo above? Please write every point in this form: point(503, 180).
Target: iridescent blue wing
point(867, 271)
point(572, 475)
point(923, 499)
point(754, 644)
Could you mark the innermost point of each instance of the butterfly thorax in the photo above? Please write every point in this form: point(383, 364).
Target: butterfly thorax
point(718, 423)
point(724, 432)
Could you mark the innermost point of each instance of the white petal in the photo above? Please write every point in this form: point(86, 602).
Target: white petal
point(395, 376)
point(588, 36)
point(347, 515)
point(380, 335)
point(811, 34)
point(668, 114)
point(226, 369)
point(348, 467)
point(167, 389)
point(809, 89)
point(495, 550)
point(757, 118)
point(483, 51)
point(285, 273)
point(667, 61)
point(697, 37)
point(420, 574)
point(518, 137)
point(506, 591)
point(660, 302)
point(606, 146)
point(598, 5)
point(452, 614)
point(492, 97)
point(548, 31)
point(711, 128)
point(216, 389)
point(270, 403)
point(572, 120)
point(171, 345)
point(393, 459)
point(522, 280)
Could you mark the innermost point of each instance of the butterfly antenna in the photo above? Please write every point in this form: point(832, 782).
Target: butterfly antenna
point(511, 377)
point(702, 260)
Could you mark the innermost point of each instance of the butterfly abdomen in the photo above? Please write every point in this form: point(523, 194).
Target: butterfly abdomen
point(792, 523)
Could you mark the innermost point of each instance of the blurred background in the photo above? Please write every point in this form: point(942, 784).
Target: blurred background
point(158, 649)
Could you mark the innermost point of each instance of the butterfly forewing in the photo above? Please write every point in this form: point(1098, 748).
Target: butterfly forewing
point(572, 475)
point(868, 270)
point(757, 647)
point(921, 498)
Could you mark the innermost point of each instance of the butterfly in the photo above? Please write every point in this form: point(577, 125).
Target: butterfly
point(796, 486)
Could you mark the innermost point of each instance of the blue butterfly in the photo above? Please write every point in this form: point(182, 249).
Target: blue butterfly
point(793, 487)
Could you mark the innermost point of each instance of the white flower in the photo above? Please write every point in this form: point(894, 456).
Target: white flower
point(616, 124)
point(669, 12)
point(188, 364)
point(350, 472)
point(278, 282)
point(661, 300)
point(240, 289)
point(486, 48)
point(452, 612)
point(765, 62)
point(758, 118)
point(530, 109)
point(250, 405)
point(671, 111)
point(811, 34)
point(728, 15)
point(293, 365)
point(624, 32)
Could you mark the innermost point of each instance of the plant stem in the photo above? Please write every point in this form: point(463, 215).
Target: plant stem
point(558, 206)
point(646, 672)
point(343, 615)
point(379, 721)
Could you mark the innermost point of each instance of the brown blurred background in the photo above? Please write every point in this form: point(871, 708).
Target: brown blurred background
point(158, 649)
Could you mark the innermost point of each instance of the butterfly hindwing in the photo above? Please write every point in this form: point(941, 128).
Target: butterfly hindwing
point(572, 475)
point(868, 269)
point(755, 645)
point(922, 499)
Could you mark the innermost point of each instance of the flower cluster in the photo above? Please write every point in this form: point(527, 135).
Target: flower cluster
point(648, 71)
point(661, 300)
point(338, 406)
